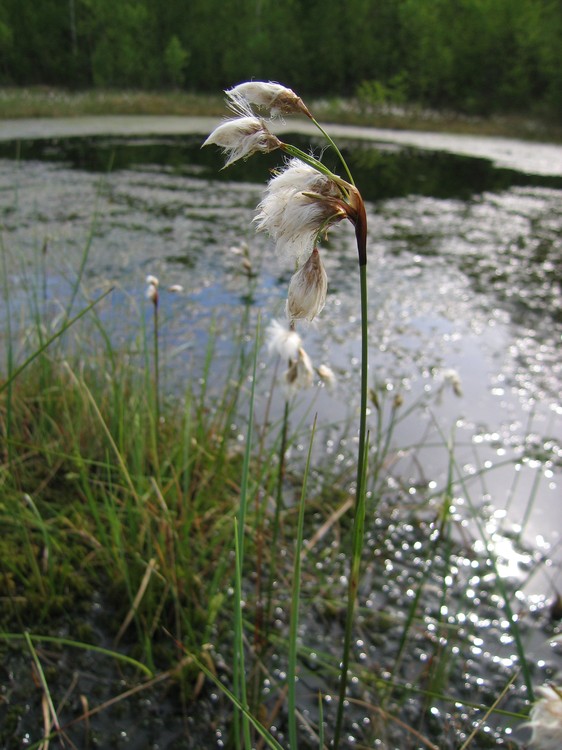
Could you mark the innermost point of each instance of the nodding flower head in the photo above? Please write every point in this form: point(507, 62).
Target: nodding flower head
point(242, 137)
point(300, 204)
point(546, 719)
point(277, 99)
point(307, 290)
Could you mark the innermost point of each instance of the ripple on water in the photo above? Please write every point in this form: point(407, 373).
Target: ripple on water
point(465, 314)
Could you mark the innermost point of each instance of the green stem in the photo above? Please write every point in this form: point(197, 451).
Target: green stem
point(336, 149)
point(13, 374)
point(311, 161)
point(359, 515)
point(293, 637)
point(277, 516)
point(9, 362)
point(238, 669)
point(156, 369)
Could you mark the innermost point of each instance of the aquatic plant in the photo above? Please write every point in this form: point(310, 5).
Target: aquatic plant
point(118, 528)
point(303, 201)
point(546, 718)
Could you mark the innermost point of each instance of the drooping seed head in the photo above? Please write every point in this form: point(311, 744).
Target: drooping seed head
point(307, 290)
point(301, 372)
point(326, 375)
point(275, 98)
point(241, 137)
point(300, 204)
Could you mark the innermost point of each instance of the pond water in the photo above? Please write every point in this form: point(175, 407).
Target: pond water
point(465, 310)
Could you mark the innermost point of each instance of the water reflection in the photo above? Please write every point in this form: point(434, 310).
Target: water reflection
point(465, 315)
point(383, 171)
point(465, 265)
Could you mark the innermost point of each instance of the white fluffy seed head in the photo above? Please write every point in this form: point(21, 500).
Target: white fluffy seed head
point(299, 204)
point(152, 288)
point(301, 372)
point(307, 290)
point(326, 375)
point(277, 99)
point(242, 137)
point(546, 719)
point(453, 378)
point(282, 341)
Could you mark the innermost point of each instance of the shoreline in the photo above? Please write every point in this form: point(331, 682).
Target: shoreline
point(508, 153)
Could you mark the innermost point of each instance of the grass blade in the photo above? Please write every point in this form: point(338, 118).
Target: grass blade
point(294, 624)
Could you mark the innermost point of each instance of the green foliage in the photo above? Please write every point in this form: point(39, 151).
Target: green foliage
point(121, 54)
point(478, 56)
point(375, 93)
point(176, 59)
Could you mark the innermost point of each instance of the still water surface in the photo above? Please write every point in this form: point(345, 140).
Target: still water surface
point(464, 287)
point(465, 268)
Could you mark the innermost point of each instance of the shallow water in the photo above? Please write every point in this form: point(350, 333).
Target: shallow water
point(465, 262)
point(465, 268)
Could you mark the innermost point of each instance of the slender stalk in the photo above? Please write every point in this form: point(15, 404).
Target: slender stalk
point(239, 676)
point(14, 373)
point(328, 137)
point(294, 624)
point(359, 514)
point(79, 645)
point(513, 622)
point(83, 261)
point(9, 359)
point(156, 367)
point(240, 683)
point(260, 729)
point(308, 159)
point(277, 515)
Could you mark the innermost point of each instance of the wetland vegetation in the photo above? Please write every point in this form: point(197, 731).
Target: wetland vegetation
point(132, 432)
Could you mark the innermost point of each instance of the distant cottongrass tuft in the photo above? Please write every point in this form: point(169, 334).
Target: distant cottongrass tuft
point(152, 289)
point(452, 377)
point(301, 372)
point(326, 375)
point(546, 719)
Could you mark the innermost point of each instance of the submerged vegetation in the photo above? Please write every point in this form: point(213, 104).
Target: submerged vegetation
point(175, 570)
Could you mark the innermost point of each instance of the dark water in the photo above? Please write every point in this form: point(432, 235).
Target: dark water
point(387, 171)
point(465, 270)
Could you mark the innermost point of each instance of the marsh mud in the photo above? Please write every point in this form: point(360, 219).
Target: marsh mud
point(465, 317)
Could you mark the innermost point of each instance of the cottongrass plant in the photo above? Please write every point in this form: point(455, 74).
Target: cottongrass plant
point(152, 294)
point(85, 501)
point(546, 719)
point(302, 201)
point(94, 504)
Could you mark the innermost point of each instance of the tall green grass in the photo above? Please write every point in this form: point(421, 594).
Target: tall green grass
point(162, 511)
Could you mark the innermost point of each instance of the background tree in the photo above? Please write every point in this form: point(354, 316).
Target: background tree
point(175, 61)
point(479, 56)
